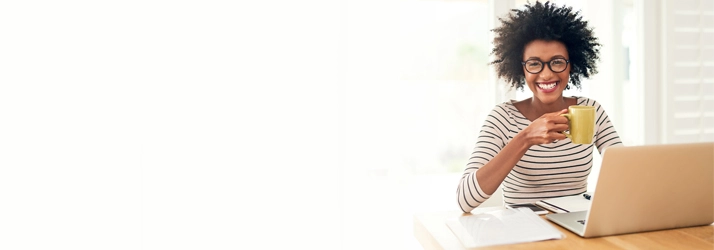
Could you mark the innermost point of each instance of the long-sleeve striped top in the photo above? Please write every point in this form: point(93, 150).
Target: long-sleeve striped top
point(545, 171)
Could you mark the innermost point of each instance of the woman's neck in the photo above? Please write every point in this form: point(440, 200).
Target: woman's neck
point(540, 108)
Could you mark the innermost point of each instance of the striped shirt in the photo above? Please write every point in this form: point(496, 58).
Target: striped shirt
point(545, 171)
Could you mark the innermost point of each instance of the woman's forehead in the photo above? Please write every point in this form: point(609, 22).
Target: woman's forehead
point(544, 49)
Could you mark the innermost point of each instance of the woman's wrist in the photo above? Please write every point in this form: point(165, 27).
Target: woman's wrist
point(521, 141)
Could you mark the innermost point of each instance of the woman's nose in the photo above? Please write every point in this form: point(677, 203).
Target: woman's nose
point(546, 73)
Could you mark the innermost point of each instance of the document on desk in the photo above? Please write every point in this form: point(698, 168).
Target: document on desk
point(500, 227)
point(566, 204)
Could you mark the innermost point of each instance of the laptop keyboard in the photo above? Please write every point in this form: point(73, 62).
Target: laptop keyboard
point(581, 222)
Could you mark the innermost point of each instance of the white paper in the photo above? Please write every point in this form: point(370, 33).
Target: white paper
point(566, 204)
point(507, 226)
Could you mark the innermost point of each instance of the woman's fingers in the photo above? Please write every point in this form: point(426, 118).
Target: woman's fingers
point(559, 127)
point(564, 111)
point(560, 120)
point(555, 117)
point(548, 128)
point(556, 136)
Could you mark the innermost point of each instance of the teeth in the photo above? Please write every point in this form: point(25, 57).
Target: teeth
point(547, 86)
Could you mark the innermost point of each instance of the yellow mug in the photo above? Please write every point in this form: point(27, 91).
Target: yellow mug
point(582, 124)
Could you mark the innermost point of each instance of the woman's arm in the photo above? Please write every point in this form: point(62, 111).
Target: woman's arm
point(495, 171)
point(491, 162)
point(605, 133)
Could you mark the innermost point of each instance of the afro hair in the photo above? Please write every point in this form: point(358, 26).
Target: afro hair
point(544, 22)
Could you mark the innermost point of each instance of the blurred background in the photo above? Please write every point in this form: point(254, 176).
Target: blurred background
point(277, 124)
point(432, 88)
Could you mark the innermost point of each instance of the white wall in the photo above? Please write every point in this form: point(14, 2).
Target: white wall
point(170, 124)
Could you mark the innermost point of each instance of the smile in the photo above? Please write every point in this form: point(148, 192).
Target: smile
point(547, 86)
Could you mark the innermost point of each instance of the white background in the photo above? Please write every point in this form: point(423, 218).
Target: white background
point(170, 124)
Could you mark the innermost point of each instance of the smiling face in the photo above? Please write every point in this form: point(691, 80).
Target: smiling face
point(547, 86)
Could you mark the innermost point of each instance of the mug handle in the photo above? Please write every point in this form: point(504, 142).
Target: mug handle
point(566, 133)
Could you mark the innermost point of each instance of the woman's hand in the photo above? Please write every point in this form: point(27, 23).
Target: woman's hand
point(546, 129)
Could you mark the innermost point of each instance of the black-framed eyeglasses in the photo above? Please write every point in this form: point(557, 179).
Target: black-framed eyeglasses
point(535, 66)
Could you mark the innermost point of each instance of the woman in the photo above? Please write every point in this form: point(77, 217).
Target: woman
point(521, 145)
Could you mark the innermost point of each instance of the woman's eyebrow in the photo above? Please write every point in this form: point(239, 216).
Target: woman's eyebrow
point(538, 58)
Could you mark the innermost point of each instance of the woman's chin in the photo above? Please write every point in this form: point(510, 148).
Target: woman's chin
point(549, 97)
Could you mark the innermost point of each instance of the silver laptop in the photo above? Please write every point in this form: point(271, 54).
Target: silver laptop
point(647, 188)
